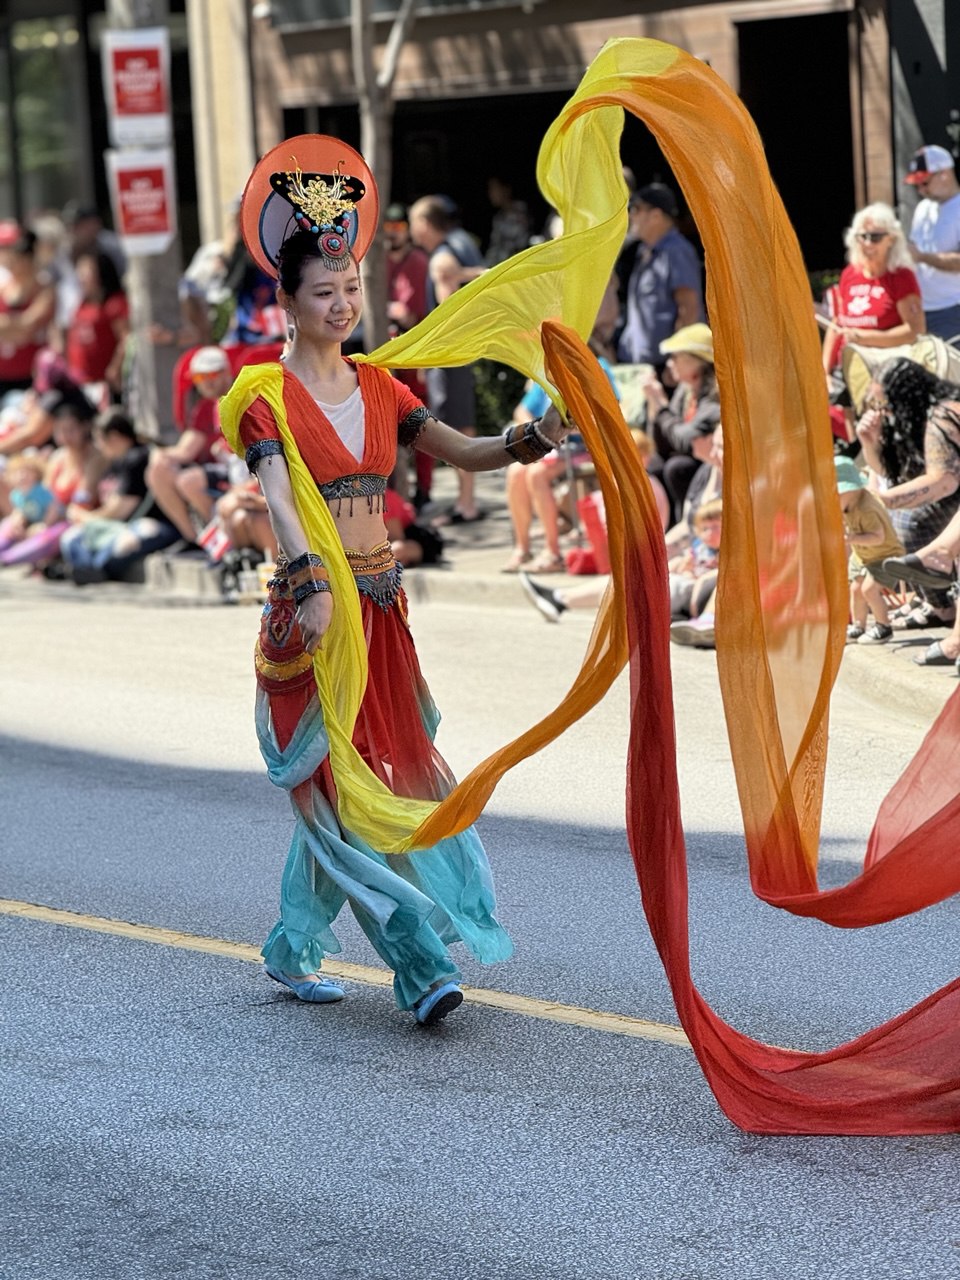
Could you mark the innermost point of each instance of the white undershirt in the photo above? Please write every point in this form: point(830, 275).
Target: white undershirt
point(348, 420)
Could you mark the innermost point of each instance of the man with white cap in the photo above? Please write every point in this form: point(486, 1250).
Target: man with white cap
point(935, 238)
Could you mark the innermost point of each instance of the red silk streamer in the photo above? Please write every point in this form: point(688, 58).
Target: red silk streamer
point(902, 1077)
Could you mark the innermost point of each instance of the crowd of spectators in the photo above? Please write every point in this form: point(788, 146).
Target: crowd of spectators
point(81, 496)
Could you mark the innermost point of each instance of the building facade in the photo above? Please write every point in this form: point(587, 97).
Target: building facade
point(842, 92)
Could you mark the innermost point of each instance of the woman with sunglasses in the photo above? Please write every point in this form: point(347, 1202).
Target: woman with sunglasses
point(877, 301)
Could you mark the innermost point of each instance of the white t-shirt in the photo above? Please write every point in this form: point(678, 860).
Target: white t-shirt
point(348, 420)
point(936, 229)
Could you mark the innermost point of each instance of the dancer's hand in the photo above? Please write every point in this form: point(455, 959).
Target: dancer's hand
point(314, 616)
point(554, 427)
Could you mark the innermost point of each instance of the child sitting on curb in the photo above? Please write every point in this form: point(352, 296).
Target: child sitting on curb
point(869, 537)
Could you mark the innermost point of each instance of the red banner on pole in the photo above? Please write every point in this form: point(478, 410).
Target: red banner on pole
point(144, 201)
point(136, 73)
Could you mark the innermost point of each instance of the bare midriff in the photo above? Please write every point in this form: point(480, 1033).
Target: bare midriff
point(362, 531)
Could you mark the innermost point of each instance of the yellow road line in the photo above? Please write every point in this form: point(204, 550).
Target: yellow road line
point(526, 1006)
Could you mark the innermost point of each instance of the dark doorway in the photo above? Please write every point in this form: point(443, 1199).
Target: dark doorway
point(454, 146)
point(795, 82)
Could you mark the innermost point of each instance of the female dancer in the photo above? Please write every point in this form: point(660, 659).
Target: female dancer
point(342, 420)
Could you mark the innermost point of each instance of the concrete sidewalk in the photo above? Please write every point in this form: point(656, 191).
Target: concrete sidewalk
point(471, 574)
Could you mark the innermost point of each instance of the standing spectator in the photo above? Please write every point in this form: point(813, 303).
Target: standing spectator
point(664, 292)
point(935, 238)
point(407, 273)
point(85, 234)
point(98, 331)
point(510, 228)
point(126, 525)
point(27, 304)
point(256, 317)
point(178, 474)
point(877, 301)
point(434, 226)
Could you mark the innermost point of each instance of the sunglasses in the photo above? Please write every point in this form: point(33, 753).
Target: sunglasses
point(872, 237)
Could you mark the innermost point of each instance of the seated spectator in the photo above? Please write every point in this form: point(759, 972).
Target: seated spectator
point(692, 411)
point(693, 573)
point(910, 434)
point(33, 506)
point(28, 424)
point(241, 517)
point(185, 477)
point(411, 543)
point(72, 474)
point(97, 333)
point(27, 304)
point(105, 540)
point(530, 488)
point(870, 538)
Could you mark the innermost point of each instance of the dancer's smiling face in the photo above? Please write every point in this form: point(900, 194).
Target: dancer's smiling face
point(327, 304)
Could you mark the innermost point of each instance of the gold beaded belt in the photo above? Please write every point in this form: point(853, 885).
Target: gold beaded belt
point(377, 560)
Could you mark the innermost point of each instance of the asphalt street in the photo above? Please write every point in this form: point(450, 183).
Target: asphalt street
point(168, 1111)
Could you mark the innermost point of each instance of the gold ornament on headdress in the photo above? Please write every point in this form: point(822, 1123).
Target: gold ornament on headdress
point(321, 202)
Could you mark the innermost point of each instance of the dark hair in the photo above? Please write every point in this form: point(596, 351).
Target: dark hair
point(116, 420)
point(911, 392)
point(295, 251)
point(107, 272)
point(72, 404)
point(25, 245)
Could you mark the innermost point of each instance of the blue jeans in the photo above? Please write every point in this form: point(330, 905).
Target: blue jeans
point(944, 324)
point(114, 544)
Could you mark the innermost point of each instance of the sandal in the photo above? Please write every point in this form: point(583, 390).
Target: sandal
point(915, 620)
point(517, 561)
point(546, 562)
point(935, 656)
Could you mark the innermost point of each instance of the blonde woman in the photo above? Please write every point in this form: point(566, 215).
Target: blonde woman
point(877, 301)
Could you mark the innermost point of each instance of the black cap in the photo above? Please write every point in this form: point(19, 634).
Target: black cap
point(395, 213)
point(657, 196)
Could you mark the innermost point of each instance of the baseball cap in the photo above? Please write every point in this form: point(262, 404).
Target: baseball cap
point(695, 339)
point(10, 233)
point(395, 213)
point(208, 360)
point(658, 196)
point(927, 161)
point(849, 477)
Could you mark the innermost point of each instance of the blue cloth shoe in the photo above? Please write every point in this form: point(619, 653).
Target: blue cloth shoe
point(436, 1004)
point(311, 988)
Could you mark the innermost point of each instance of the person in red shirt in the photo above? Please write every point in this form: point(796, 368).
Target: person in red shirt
point(407, 270)
point(180, 476)
point(27, 303)
point(96, 336)
point(877, 301)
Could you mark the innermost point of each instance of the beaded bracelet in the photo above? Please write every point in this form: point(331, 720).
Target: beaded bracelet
point(524, 443)
point(545, 440)
point(312, 587)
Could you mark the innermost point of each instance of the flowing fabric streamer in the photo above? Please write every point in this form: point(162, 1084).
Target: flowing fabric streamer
point(782, 594)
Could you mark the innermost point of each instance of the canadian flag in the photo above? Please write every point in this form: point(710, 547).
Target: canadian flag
point(215, 541)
